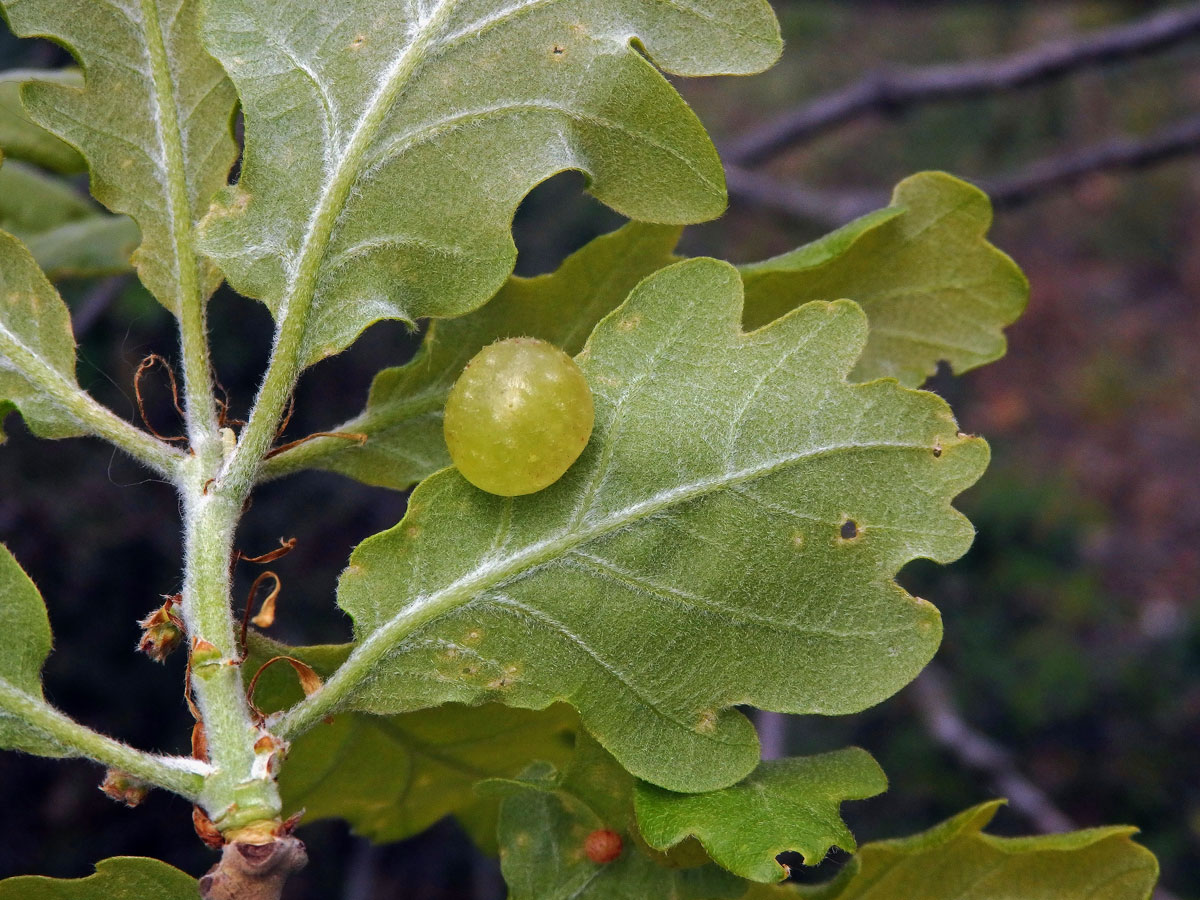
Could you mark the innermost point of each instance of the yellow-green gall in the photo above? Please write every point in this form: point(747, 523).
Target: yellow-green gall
point(518, 417)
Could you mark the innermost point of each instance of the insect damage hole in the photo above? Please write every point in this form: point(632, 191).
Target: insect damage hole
point(848, 530)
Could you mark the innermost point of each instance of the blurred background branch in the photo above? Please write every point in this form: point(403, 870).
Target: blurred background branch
point(831, 207)
point(931, 697)
point(891, 91)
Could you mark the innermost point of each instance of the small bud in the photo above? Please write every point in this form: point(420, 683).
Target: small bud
point(162, 632)
point(124, 788)
point(602, 846)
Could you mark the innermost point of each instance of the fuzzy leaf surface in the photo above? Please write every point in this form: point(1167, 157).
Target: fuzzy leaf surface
point(392, 777)
point(69, 236)
point(946, 283)
point(957, 861)
point(785, 804)
point(546, 817)
point(118, 878)
point(728, 537)
point(34, 325)
point(388, 145)
point(932, 286)
point(21, 137)
point(24, 645)
point(153, 119)
point(403, 416)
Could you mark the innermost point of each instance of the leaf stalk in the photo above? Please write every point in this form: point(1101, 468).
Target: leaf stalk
point(95, 417)
point(176, 774)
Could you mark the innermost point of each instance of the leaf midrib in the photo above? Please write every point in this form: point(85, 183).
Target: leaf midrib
point(320, 226)
point(170, 140)
point(496, 573)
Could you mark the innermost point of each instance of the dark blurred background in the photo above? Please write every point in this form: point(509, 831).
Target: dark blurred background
point(1072, 636)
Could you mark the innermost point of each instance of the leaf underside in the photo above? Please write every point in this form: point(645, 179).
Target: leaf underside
point(35, 327)
point(403, 416)
point(786, 804)
point(924, 259)
point(388, 145)
point(24, 645)
point(728, 537)
point(118, 878)
point(22, 138)
point(957, 861)
point(153, 120)
point(932, 287)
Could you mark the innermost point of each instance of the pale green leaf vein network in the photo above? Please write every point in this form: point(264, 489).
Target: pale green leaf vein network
point(582, 562)
point(391, 219)
point(498, 571)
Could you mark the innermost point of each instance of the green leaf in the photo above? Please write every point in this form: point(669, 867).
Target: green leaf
point(24, 645)
point(153, 121)
point(388, 145)
point(403, 417)
point(728, 537)
point(119, 878)
point(545, 820)
point(957, 861)
point(68, 235)
point(884, 261)
point(32, 201)
point(89, 248)
point(786, 804)
point(21, 137)
point(392, 777)
point(35, 330)
point(933, 288)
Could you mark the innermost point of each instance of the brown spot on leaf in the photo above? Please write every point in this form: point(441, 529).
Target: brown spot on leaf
point(602, 846)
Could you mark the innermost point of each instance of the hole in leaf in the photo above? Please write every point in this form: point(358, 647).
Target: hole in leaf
point(849, 530)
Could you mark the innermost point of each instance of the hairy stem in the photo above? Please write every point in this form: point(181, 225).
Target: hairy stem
point(181, 776)
point(240, 790)
point(95, 417)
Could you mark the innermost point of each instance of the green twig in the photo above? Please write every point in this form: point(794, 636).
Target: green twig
point(176, 774)
point(96, 418)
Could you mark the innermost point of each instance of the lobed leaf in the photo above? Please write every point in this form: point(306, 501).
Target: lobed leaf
point(388, 145)
point(545, 820)
point(729, 537)
point(881, 260)
point(24, 645)
point(153, 119)
point(118, 878)
point(403, 416)
point(957, 861)
point(34, 326)
point(932, 286)
point(785, 804)
point(21, 137)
